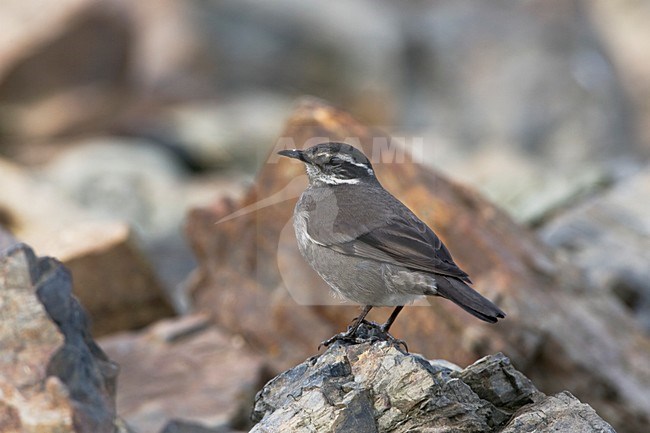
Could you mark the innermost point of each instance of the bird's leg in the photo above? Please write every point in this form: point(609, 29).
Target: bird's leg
point(359, 320)
point(351, 331)
point(386, 326)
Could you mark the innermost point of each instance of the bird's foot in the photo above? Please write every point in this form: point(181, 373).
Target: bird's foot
point(342, 336)
point(367, 332)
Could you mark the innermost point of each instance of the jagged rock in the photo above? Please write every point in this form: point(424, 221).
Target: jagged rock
point(53, 376)
point(378, 388)
point(112, 277)
point(608, 238)
point(184, 375)
point(250, 272)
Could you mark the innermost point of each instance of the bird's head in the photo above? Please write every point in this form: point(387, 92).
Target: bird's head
point(334, 164)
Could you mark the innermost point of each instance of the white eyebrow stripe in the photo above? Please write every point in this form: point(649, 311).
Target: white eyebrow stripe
point(333, 180)
point(349, 159)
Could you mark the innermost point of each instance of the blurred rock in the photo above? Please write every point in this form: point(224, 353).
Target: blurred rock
point(378, 388)
point(178, 426)
point(527, 106)
point(251, 277)
point(130, 180)
point(184, 374)
point(146, 185)
point(6, 240)
point(529, 191)
point(294, 46)
point(53, 376)
point(531, 77)
point(112, 277)
point(608, 237)
point(171, 58)
point(53, 61)
point(220, 133)
point(623, 28)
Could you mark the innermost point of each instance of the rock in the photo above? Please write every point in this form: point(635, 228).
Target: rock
point(317, 57)
point(378, 388)
point(124, 179)
point(608, 238)
point(623, 31)
point(50, 67)
point(112, 276)
point(53, 376)
point(566, 107)
point(561, 412)
point(556, 129)
point(184, 375)
point(6, 240)
point(529, 191)
point(216, 133)
point(188, 427)
point(252, 280)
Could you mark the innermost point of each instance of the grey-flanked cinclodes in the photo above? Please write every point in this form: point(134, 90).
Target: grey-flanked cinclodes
point(368, 246)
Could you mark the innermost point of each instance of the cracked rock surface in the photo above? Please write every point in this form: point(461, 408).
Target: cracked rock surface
point(375, 387)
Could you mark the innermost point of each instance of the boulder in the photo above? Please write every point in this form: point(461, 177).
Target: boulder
point(53, 376)
point(376, 387)
point(252, 279)
point(112, 277)
point(184, 375)
point(608, 238)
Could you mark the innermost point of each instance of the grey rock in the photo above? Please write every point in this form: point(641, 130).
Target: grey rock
point(608, 238)
point(558, 413)
point(495, 379)
point(218, 134)
point(375, 387)
point(182, 426)
point(125, 179)
point(512, 82)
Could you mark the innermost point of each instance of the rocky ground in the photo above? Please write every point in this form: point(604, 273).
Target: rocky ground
point(379, 388)
point(128, 129)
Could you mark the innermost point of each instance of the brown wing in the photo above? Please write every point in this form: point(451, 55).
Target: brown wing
point(405, 242)
point(375, 225)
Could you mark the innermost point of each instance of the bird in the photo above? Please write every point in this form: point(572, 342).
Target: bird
point(367, 245)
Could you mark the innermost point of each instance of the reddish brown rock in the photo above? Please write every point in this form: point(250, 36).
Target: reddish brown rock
point(184, 369)
point(560, 338)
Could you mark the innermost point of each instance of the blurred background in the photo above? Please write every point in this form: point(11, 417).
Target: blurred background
point(117, 117)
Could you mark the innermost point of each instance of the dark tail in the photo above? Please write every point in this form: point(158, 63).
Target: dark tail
point(468, 299)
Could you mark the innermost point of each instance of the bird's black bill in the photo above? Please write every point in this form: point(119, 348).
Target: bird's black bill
point(292, 153)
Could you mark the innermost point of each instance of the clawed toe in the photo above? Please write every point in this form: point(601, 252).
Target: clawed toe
point(343, 336)
point(366, 332)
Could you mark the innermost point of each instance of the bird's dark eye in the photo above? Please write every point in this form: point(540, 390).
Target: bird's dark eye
point(336, 161)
